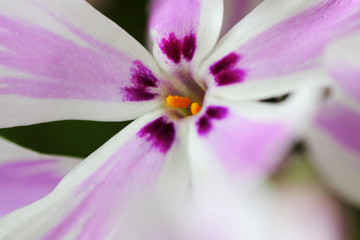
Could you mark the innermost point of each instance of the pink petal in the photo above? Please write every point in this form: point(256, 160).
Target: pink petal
point(278, 44)
point(246, 141)
point(180, 32)
point(101, 198)
point(334, 139)
point(335, 149)
point(26, 176)
point(65, 55)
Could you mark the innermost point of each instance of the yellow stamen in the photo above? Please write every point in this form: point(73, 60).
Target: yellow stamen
point(195, 108)
point(176, 101)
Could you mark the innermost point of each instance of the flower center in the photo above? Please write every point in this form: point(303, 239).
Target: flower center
point(184, 103)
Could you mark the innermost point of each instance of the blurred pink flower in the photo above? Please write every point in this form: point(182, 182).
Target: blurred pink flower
point(335, 135)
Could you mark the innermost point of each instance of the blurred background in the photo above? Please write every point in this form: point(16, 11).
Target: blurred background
point(81, 138)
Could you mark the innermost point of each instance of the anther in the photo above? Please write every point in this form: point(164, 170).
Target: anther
point(177, 101)
point(195, 108)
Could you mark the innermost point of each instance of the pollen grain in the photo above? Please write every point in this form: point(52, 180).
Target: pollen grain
point(195, 108)
point(177, 101)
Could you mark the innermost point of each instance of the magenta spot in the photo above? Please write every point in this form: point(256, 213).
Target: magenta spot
point(225, 63)
point(216, 112)
point(142, 79)
point(230, 77)
point(138, 94)
point(172, 48)
point(160, 132)
point(189, 46)
point(225, 72)
point(204, 124)
point(142, 76)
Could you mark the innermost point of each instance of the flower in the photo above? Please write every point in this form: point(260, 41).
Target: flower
point(63, 60)
point(334, 136)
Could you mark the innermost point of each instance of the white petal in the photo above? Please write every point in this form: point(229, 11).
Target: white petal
point(277, 45)
point(183, 32)
point(26, 176)
point(103, 197)
point(62, 59)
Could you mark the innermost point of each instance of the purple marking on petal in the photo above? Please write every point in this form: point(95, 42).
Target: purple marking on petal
point(216, 112)
point(230, 77)
point(225, 63)
point(174, 48)
point(204, 124)
point(189, 46)
point(141, 76)
point(225, 72)
point(160, 132)
point(137, 94)
point(171, 47)
point(142, 79)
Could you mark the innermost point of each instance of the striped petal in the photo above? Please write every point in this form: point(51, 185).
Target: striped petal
point(64, 60)
point(278, 46)
point(184, 32)
point(110, 192)
point(335, 136)
point(335, 148)
point(26, 176)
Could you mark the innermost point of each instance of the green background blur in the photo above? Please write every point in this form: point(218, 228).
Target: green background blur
point(80, 138)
